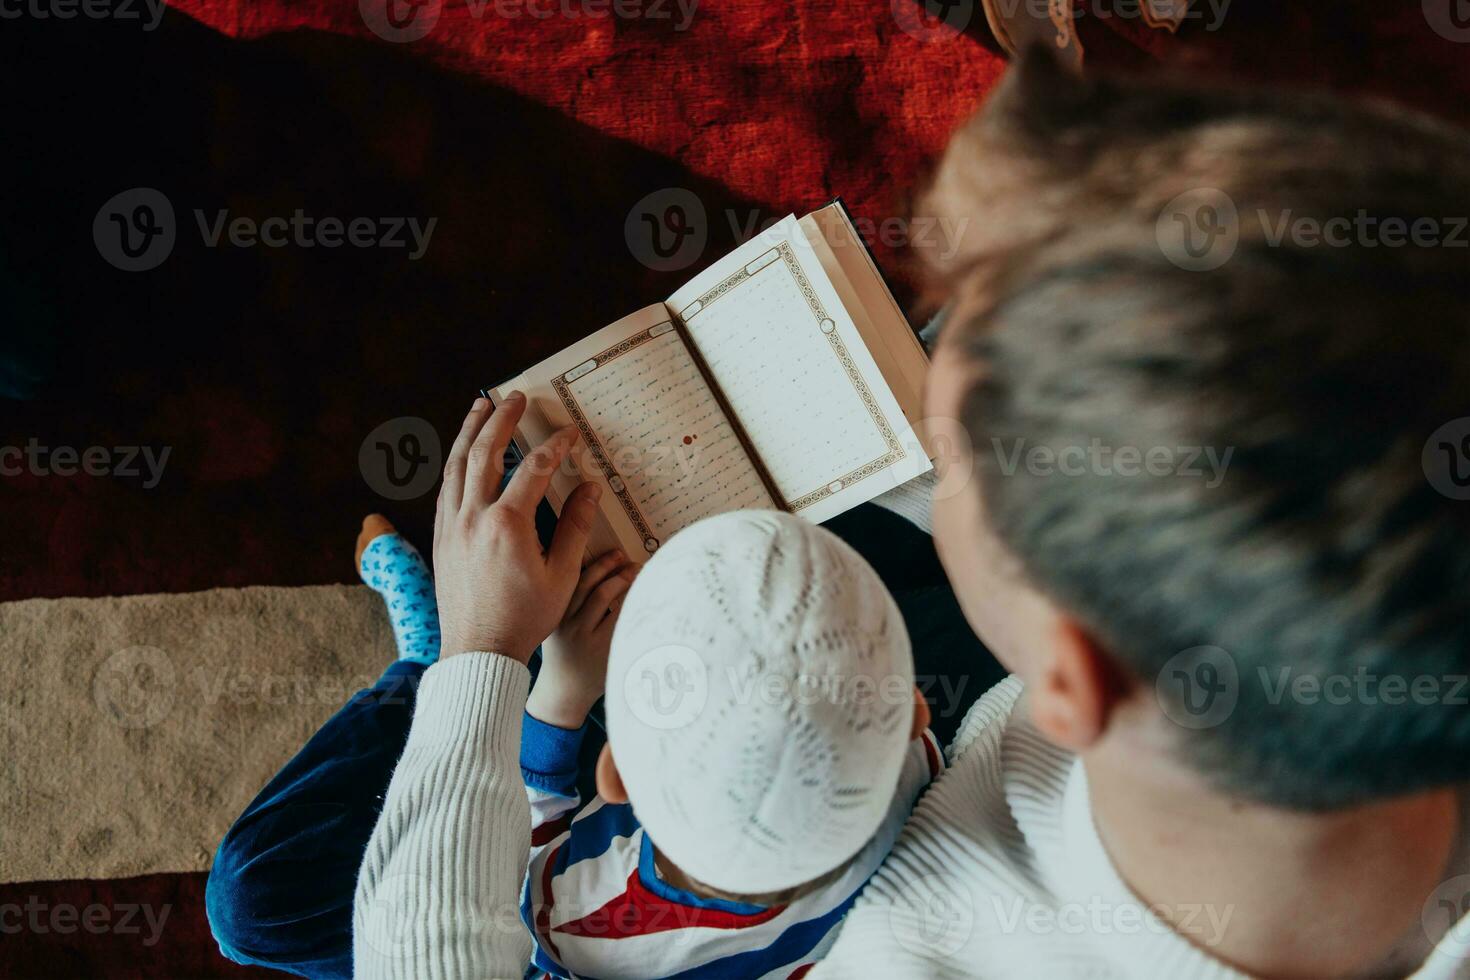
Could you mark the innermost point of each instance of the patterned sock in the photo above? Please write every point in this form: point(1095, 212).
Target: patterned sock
point(395, 570)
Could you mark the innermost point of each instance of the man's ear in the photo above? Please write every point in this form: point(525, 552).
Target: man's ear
point(1076, 691)
point(609, 780)
point(922, 715)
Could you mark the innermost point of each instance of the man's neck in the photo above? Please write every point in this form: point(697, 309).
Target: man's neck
point(1308, 894)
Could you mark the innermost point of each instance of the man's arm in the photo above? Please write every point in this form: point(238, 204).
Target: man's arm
point(437, 895)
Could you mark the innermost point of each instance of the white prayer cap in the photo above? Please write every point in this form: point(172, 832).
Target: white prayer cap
point(759, 700)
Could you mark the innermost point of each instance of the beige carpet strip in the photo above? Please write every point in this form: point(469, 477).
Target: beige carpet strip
point(136, 728)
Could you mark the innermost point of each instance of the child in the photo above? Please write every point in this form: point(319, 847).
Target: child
point(765, 746)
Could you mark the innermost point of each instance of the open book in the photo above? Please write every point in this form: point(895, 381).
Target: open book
point(783, 376)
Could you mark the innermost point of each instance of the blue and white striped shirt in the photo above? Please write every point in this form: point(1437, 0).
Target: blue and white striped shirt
point(596, 906)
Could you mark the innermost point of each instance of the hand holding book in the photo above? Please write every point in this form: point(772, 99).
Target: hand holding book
point(479, 526)
point(782, 376)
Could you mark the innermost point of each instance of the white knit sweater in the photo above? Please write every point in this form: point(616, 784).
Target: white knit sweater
point(439, 891)
point(1000, 873)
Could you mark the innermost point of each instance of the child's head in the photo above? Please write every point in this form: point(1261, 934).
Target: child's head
point(1210, 348)
point(759, 701)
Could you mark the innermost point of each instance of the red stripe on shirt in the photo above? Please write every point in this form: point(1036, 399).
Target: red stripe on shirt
point(932, 754)
point(639, 912)
point(548, 832)
point(543, 910)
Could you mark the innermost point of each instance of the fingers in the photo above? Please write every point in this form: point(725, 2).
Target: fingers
point(600, 602)
point(451, 494)
point(593, 575)
point(485, 461)
point(534, 474)
point(630, 572)
point(572, 530)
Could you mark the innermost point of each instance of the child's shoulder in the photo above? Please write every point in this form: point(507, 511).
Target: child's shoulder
point(599, 823)
point(600, 831)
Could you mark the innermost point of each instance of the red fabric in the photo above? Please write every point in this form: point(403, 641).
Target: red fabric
point(59, 937)
point(784, 103)
point(548, 832)
point(1360, 47)
point(264, 371)
point(639, 912)
point(931, 755)
point(548, 899)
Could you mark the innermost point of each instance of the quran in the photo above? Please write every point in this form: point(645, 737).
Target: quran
point(783, 376)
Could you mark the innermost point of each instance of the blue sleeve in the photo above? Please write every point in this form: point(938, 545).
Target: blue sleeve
point(549, 757)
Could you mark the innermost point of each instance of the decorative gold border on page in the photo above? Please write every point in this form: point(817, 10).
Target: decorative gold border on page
point(594, 444)
point(839, 349)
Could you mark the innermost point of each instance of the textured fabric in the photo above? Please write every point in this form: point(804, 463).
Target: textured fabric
point(137, 728)
point(781, 103)
point(759, 700)
point(913, 501)
point(437, 891)
point(1001, 874)
point(530, 139)
point(264, 907)
point(393, 568)
point(597, 907)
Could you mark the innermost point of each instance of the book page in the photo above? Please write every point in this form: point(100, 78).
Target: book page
point(894, 344)
point(797, 375)
point(653, 433)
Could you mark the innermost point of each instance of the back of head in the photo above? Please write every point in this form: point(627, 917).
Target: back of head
point(1269, 292)
point(759, 700)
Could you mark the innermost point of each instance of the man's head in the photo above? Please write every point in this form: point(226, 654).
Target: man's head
point(1199, 403)
point(759, 701)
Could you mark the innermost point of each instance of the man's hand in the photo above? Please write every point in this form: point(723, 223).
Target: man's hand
point(574, 658)
point(498, 591)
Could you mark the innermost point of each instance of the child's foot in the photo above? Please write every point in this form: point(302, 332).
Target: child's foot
point(395, 570)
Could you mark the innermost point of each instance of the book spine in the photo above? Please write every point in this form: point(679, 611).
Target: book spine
point(740, 433)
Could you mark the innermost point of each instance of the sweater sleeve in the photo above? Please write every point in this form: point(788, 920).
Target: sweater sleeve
point(549, 770)
point(437, 894)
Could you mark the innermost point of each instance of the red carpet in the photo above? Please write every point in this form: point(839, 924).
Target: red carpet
point(263, 370)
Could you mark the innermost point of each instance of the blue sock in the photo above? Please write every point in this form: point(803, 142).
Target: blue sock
point(395, 570)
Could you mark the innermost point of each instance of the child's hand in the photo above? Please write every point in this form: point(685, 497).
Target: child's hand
point(574, 658)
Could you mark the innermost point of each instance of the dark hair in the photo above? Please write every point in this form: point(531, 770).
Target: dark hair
point(1325, 549)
